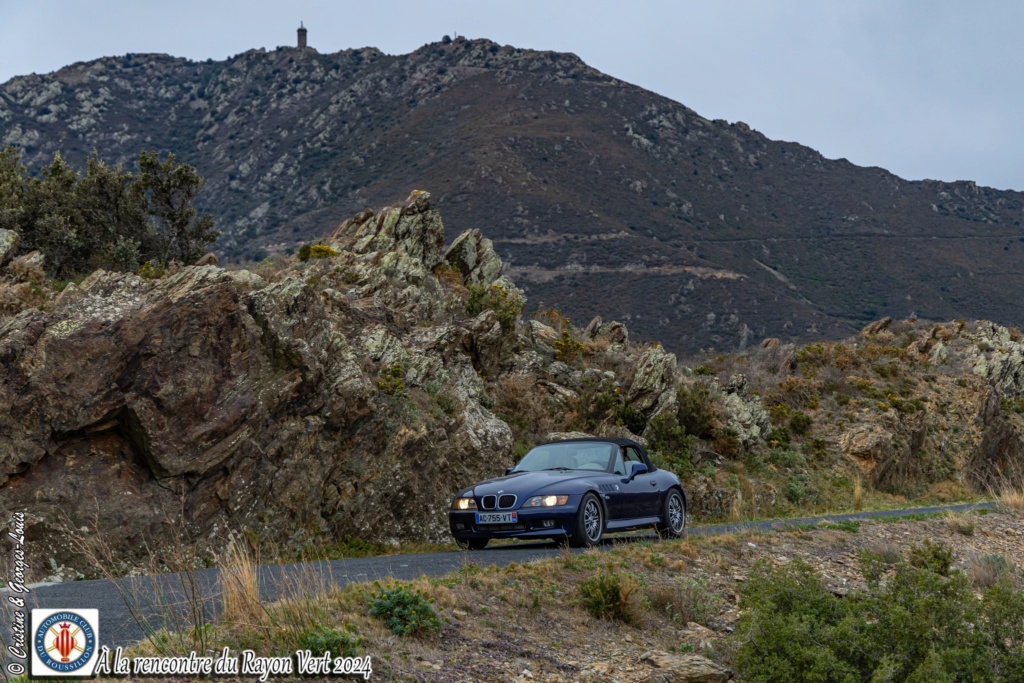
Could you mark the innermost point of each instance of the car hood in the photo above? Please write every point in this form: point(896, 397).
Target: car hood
point(533, 483)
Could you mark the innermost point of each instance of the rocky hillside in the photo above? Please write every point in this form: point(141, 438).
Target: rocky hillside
point(349, 395)
point(601, 197)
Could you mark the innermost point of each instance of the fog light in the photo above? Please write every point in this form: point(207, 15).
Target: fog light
point(460, 527)
point(548, 523)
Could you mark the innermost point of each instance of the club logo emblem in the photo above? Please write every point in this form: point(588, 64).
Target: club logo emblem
point(64, 642)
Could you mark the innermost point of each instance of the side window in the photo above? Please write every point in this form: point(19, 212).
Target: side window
point(632, 455)
point(620, 467)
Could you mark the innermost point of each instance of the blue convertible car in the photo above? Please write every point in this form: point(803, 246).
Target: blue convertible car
point(573, 490)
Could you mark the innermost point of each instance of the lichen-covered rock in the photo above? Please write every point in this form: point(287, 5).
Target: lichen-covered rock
point(9, 241)
point(999, 358)
point(655, 373)
point(413, 229)
point(874, 328)
point(474, 257)
point(613, 332)
point(685, 668)
point(746, 417)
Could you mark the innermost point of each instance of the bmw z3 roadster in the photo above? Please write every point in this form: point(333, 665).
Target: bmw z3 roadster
point(575, 491)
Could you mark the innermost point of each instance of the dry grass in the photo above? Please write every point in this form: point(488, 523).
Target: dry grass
point(985, 571)
point(736, 508)
point(1012, 496)
point(960, 523)
point(240, 585)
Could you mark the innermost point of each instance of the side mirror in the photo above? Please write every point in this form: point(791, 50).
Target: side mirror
point(636, 468)
point(508, 470)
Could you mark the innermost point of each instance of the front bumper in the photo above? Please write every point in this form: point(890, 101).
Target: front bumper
point(531, 523)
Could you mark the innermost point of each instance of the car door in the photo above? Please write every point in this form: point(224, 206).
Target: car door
point(641, 495)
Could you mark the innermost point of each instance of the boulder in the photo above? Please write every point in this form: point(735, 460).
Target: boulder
point(687, 668)
point(876, 327)
point(413, 229)
point(474, 257)
point(9, 241)
point(744, 415)
point(208, 259)
point(655, 373)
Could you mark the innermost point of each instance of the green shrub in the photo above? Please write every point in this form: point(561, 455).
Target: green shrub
point(308, 251)
point(696, 412)
point(390, 381)
point(104, 217)
point(609, 595)
point(920, 626)
point(779, 438)
point(406, 612)
point(631, 418)
point(567, 349)
point(323, 639)
point(935, 557)
point(796, 490)
point(149, 271)
point(800, 423)
point(322, 251)
point(670, 445)
point(506, 304)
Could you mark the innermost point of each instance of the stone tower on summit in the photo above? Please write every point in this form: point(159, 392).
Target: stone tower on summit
point(302, 35)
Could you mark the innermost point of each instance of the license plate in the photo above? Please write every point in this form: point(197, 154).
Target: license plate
point(497, 517)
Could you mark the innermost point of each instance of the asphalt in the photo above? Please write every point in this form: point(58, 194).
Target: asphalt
point(130, 606)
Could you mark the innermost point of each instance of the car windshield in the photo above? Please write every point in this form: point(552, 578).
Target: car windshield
point(572, 455)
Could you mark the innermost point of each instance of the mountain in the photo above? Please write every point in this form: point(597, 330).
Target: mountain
point(349, 396)
point(601, 197)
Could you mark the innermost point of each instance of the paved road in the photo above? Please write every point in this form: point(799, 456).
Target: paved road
point(119, 626)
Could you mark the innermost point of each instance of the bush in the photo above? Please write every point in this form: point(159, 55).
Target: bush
point(800, 423)
point(779, 438)
point(390, 381)
point(506, 304)
point(406, 612)
point(567, 349)
point(631, 418)
point(690, 601)
point(609, 595)
point(323, 639)
point(696, 412)
point(322, 251)
point(911, 629)
point(107, 217)
point(671, 445)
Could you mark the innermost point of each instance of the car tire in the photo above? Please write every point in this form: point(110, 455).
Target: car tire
point(589, 523)
point(472, 543)
point(673, 515)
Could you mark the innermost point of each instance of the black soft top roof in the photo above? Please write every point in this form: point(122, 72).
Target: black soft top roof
point(617, 440)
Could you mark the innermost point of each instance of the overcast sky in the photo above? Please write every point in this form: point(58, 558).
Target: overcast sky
point(924, 88)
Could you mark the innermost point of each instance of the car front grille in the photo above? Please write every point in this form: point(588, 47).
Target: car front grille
point(506, 501)
point(487, 502)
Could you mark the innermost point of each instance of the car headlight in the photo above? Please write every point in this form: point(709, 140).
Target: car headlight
point(546, 501)
point(464, 504)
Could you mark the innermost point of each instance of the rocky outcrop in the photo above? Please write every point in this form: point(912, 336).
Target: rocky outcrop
point(745, 416)
point(686, 668)
point(295, 410)
point(474, 257)
point(655, 375)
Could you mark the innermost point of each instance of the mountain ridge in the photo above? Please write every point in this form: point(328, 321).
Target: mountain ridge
point(601, 197)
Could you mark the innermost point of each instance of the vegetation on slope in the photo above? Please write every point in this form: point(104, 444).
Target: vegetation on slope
point(106, 217)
